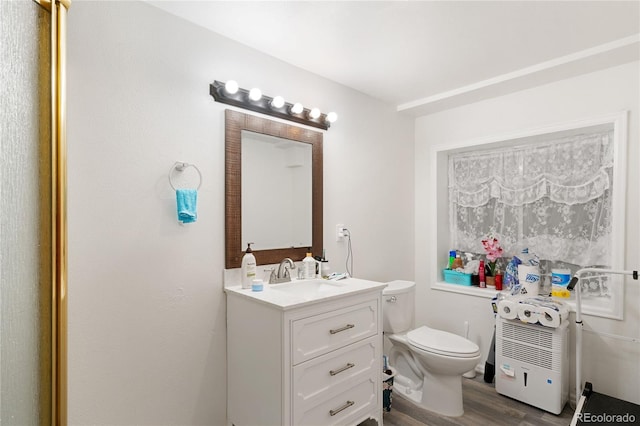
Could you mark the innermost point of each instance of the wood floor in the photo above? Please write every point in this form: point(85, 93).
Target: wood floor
point(482, 406)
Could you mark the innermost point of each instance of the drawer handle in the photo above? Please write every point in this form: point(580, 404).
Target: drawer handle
point(340, 370)
point(344, 407)
point(338, 330)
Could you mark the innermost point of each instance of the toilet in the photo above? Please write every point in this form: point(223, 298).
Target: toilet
point(429, 363)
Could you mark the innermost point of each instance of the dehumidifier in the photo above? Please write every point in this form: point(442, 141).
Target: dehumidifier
point(532, 363)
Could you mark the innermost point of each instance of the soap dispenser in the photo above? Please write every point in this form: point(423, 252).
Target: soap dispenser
point(248, 269)
point(309, 266)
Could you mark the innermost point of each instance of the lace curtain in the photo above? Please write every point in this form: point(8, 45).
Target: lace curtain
point(553, 197)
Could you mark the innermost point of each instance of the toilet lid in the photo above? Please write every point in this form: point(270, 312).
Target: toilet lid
point(398, 287)
point(441, 342)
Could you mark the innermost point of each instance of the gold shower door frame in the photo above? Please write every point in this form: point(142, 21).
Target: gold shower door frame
point(58, 198)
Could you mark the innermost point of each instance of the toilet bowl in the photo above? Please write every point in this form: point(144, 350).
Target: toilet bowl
point(429, 362)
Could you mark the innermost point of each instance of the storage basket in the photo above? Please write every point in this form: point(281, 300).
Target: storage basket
point(455, 277)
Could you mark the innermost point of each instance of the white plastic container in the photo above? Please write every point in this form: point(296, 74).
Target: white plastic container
point(248, 268)
point(323, 267)
point(309, 267)
point(257, 285)
point(559, 281)
point(529, 277)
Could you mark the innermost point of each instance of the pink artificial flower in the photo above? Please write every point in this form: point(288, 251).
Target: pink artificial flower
point(494, 252)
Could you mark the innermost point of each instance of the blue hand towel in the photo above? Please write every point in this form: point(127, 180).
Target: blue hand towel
point(186, 200)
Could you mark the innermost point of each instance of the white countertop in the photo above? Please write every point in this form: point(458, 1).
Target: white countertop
point(277, 295)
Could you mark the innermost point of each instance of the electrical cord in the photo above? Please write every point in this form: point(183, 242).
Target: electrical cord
point(349, 253)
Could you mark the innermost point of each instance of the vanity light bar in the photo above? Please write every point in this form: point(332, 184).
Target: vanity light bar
point(275, 107)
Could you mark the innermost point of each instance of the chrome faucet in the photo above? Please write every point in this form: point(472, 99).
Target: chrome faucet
point(283, 275)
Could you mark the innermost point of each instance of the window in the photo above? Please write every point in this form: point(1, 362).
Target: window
point(558, 192)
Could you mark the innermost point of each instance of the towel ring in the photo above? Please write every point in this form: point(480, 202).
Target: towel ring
point(180, 166)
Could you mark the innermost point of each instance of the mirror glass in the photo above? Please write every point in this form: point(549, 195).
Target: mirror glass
point(273, 189)
point(276, 192)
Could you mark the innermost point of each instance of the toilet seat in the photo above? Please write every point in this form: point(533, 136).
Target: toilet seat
point(442, 343)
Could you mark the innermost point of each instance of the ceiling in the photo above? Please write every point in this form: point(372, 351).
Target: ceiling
point(425, 56)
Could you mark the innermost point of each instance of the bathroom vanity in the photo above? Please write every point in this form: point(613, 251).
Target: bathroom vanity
point(305, 353)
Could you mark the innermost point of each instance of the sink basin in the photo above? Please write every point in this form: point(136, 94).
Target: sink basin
point(309, 289)
point(298, 293)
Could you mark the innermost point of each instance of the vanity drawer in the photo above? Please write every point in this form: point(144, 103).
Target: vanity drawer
point(340, 408)
point(319, 334)
point(327, 372)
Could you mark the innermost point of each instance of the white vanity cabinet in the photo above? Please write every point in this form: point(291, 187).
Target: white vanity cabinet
point(304, 364)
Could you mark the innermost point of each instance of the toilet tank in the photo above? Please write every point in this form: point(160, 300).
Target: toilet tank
point(398, 306)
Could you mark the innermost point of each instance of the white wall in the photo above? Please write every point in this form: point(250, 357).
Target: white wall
point(612, 365)
point(146, 306)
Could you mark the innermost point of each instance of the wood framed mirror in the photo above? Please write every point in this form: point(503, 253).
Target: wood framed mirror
point(238, 124)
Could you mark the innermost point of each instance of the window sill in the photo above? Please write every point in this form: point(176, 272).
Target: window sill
point(594, 307)
point(487, 293)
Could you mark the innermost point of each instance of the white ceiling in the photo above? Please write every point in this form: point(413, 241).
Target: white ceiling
point(423, 56)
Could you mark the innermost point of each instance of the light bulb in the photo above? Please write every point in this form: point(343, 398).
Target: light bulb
point(332, 117)
point(277, 102)
point(297, 108)
point(231, 87)
point(255, 94)
point(314, 113)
